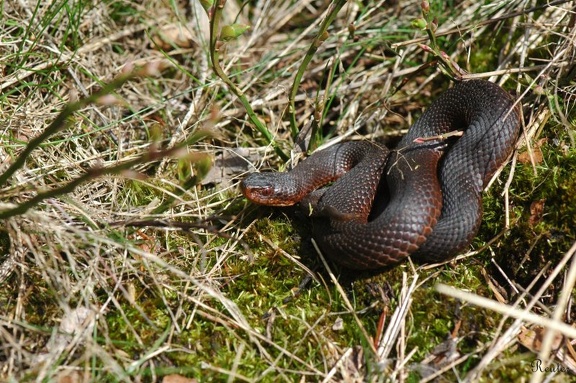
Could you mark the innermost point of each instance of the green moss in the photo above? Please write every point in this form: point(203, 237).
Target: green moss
point(536, 239)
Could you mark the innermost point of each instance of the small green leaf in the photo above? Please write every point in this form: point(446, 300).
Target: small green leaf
point(194, 164)
point(321, 39)
point(155, 133)
point(232, 31)
point(419, 23)
point(202, 166)
point(207, 4)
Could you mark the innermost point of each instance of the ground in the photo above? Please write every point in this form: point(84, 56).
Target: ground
point(131, 255)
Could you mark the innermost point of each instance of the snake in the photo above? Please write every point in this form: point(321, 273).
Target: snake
point(372, 207)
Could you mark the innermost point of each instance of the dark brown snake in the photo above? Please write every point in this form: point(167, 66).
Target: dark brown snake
point(434, 187)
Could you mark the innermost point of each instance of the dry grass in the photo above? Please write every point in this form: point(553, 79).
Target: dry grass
point(103, 285)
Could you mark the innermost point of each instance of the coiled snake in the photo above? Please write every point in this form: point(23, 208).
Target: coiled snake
point(434, 188)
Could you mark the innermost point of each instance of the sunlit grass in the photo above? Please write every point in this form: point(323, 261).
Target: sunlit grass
point(173, 274)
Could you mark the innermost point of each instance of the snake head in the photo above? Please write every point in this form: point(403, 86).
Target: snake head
point(270, 189)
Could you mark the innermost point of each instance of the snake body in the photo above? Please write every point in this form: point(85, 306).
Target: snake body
point(434, 186)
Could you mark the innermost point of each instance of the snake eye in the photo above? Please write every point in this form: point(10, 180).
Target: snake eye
point(266, 191)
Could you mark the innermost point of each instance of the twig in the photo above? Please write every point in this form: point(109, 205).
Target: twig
point(440, 137)
point(492, 305)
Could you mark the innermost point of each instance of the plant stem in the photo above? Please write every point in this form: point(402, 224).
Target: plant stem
point(214, 55)
point(318, 40)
